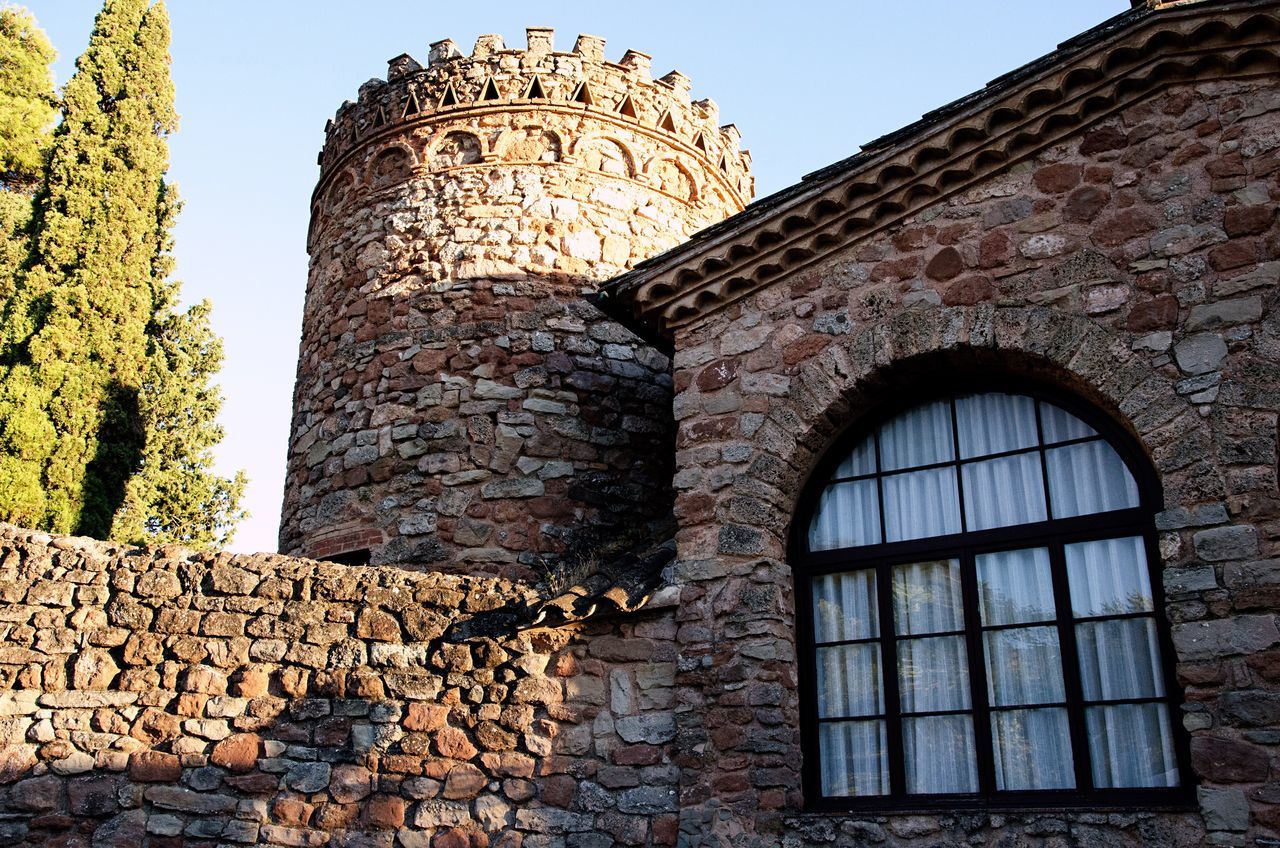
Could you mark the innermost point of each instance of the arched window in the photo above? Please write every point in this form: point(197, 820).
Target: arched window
point(980, 620)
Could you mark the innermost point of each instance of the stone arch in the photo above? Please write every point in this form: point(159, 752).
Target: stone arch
point(672, 176)
point(339, 193)
point(530, 144)
point(605, 154)
point(456, 148)
point(846, 381)
point(391, 166)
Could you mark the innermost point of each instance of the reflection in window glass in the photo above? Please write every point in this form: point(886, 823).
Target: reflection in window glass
point(844, 607)
point(1131, 745)
point(1032, 749)
point(853, 758)
point(1109, 577)
point(940, 754)
point(1015, 587)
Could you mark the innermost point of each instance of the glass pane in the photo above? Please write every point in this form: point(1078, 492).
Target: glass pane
point(921, 436)
point(848, 516)
point(1119, 659)
point(1062, 426)
point(1109, 577)
point(844, 607)
point(940, 754)
point(861, 461)
point(849, 681)
point(1131, 745)
point(1024, 666)
point(853, 759)
point(933, 674)
point(995, 423)
point(1032, 749)
point(1015, 587)
point(1088, 478)
point(1003, 492)
point(927, 598)
point(921, 504)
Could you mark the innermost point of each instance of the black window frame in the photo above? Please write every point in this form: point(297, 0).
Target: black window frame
point(965, 546)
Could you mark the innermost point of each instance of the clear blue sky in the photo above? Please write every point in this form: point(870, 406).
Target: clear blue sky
point(806, 83)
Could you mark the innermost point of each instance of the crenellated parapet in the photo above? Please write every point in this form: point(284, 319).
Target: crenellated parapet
point(467, 111)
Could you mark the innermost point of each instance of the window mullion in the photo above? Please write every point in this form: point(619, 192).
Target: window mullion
point(889, 680)
point(981, 700)
point(1070, 669)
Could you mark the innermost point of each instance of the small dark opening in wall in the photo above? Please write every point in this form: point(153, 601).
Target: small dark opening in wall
point(356, 557)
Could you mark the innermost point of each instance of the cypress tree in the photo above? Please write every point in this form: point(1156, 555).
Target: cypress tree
point(100, 370)
point(27, 112)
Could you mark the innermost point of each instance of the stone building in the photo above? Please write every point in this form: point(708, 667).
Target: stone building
point(930, 501)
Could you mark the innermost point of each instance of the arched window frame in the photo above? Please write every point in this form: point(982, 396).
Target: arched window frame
point(1138, 521)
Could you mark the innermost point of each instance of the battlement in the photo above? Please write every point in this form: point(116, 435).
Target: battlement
point(494, 79)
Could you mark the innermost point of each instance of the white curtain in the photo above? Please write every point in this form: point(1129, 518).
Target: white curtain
point(861, 460)
point(940, 754)
point(1109, 577)
point(845, 607)
point(920, 436)
point(1131, 745)
point(1032, 749)
point(849, 681)
point(921, 504)
point(927, 598)
point(1004, 492)
point(1024, 666)
point(1119, 659)
point(995, 423)
point(1015, 587)
point(1088, 478)
point(853, 758)
point(1060, 426)
point(848, 516)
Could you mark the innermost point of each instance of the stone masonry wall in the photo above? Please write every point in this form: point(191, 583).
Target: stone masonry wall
point(162, 698)
point(1136, 265)
point(457, 401)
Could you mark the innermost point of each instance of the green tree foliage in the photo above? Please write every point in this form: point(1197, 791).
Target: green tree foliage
point(27, 102)
point(27, 112)
point(106, 414)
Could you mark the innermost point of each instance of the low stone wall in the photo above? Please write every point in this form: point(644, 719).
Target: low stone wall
point(166, 698)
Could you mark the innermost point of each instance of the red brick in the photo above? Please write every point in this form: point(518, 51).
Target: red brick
point(384, 812)
point(717, 375)
point(154, 767)
point(945, 264)
point(968, 291)
point(1085, 203)
point(1102, 140)
point(1248, 220)
point(1159, 313)
point(1058, 178)
point(238, 753)
point(1234, 254)
point(454, 744)
point(994, 250)
point(1123, 226)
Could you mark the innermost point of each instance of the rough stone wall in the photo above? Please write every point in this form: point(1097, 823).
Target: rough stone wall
point(162, 698)
point(1137, 265)
point(457, 401)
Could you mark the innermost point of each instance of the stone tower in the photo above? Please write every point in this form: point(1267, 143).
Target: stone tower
point(458, 402)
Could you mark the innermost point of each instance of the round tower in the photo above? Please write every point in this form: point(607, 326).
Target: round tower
point(458, 402)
